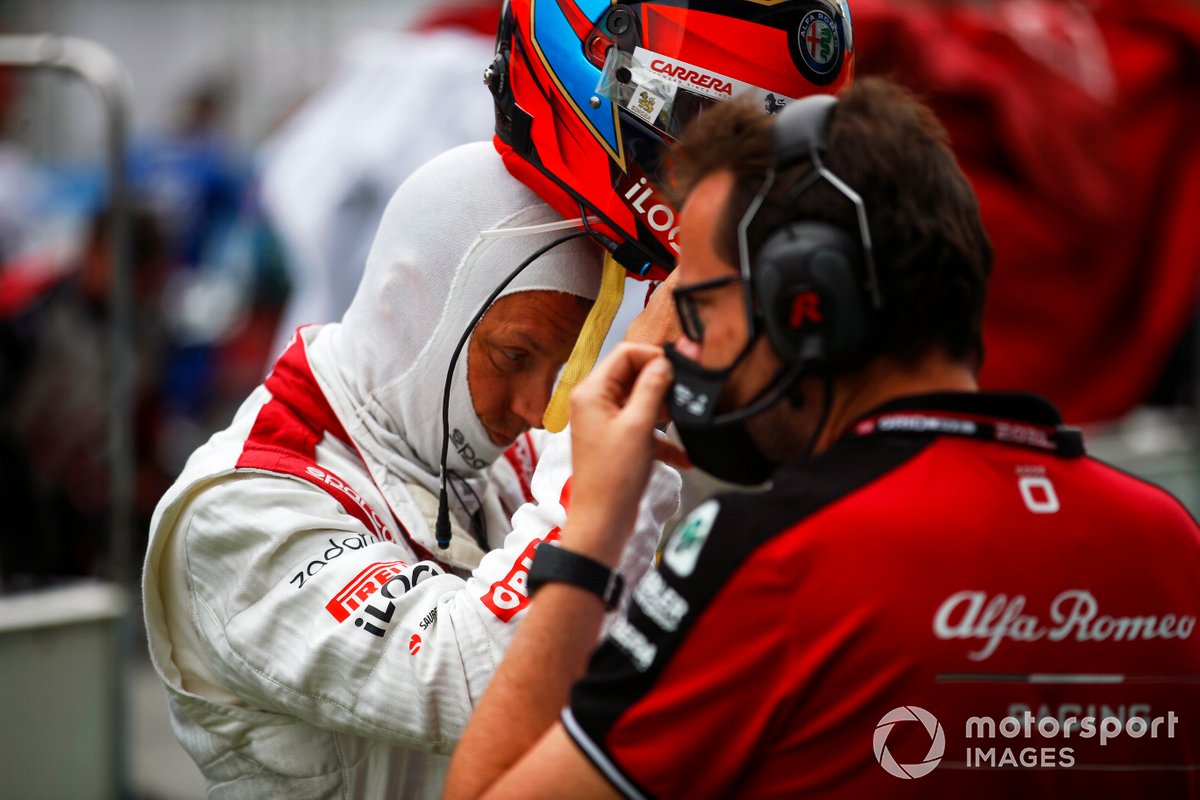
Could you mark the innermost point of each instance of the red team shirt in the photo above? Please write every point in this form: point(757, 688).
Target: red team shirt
point(953, 601)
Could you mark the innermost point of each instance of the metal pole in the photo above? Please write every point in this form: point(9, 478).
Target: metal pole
point(100, 69)
point(97, 67)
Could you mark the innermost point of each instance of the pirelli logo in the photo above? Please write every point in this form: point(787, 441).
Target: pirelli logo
point(365, 584)
point(510, 594)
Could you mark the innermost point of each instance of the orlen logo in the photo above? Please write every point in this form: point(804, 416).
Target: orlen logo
point(937, 745)
point(510, 594)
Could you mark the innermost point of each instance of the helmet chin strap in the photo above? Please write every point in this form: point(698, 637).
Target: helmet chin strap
point(545, 227)
point(588, 344)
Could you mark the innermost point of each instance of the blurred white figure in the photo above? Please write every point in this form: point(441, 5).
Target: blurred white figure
point(396, 100)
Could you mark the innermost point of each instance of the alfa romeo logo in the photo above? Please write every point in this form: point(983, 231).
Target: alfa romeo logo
point(937, 745)
point(820, 44)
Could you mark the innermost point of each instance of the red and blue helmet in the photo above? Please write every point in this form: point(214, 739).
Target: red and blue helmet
point(589, 94)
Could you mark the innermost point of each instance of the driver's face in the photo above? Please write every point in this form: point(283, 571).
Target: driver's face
point(514, 357)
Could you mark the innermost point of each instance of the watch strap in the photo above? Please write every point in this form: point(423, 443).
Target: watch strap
point(552, 564)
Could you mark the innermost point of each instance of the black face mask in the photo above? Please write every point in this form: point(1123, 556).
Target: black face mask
point(723, 448)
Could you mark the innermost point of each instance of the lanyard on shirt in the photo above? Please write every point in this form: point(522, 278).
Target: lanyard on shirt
point(1058, 439)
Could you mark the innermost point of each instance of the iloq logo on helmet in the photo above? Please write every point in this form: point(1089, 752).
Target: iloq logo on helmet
point(937, 745)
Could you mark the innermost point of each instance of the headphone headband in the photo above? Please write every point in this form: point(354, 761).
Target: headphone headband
point(801, 129)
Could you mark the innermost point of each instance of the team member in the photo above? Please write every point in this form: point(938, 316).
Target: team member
point(928, 559)
point(313, 637)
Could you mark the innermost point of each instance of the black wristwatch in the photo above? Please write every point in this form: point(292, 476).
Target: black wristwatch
point(555, 565)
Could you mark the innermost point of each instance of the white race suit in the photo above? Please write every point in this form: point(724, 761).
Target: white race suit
point(313, 639)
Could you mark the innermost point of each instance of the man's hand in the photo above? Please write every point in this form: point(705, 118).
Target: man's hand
point(613, 439)
point(614, 413)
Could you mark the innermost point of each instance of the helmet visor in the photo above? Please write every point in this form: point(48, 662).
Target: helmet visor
point(666, 93)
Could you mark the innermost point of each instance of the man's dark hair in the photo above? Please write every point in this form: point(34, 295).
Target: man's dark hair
point(931, 252)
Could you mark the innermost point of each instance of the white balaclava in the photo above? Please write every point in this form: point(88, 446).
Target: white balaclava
point(429, 271)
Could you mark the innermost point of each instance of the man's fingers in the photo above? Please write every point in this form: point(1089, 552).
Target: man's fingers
point(646, 400)
point(614, 376)
point(627, 362)
point(670, 453)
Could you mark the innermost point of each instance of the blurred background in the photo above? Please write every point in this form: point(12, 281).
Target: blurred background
point(202, 176)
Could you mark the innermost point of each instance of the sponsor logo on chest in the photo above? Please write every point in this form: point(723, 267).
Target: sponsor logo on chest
point(684, 547)
point(658, 601)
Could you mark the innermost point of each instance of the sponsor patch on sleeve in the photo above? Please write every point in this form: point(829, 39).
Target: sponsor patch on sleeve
point(510, 594)
point(683, 548)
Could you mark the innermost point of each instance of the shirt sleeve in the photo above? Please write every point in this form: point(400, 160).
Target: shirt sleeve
point(550, 489)
point(691, 668)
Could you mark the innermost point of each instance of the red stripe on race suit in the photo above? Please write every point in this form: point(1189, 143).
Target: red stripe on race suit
point(286, 433)
point(522, 456)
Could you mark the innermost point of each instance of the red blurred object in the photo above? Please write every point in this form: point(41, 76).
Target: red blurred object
point(479, 16)
point(24, 282)
point(1077, 127)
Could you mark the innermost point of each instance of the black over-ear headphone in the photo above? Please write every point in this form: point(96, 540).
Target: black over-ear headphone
point(814, 284)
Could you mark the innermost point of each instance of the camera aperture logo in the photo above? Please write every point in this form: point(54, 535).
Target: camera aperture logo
point(1018, 741)
point(937, 744)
